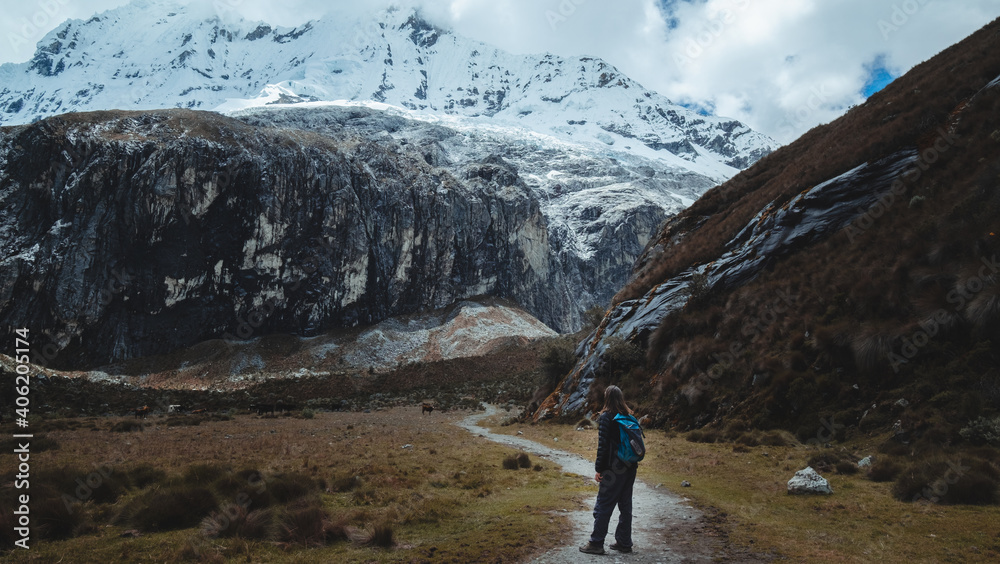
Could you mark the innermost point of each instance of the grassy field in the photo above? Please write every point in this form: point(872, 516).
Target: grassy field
point(386, 486)
point(746, 488)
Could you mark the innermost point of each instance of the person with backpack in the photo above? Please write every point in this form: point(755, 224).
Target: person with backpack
point(619, 449)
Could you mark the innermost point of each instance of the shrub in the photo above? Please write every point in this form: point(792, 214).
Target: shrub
point(982, 430)
point(622, 356)
point(523, 461)
point(510, 462)
point(308, 413)
point(950, 481)
point(558, 359)
point(594, 316)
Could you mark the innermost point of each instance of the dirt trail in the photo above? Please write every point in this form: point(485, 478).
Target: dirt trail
point(664, 527)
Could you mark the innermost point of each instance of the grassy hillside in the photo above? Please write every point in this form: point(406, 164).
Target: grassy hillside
point(892, 325)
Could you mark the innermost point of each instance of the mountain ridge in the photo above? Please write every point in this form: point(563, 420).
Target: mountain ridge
point(148, 55)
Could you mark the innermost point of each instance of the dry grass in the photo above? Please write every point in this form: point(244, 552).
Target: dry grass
point(443, 498)
point(860, 522)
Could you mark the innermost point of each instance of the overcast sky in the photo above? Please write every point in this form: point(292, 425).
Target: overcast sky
point(781, 66)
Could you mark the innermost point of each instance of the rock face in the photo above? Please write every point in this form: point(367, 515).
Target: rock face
point(774, 233)
point(601, 207)
point(808, 481)
point(124, 235)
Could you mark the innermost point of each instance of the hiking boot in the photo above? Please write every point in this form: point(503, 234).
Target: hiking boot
point(591, 548)
point(620, 548)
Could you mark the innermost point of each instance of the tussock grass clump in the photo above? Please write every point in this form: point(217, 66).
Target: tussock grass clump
point(510, 462)
point(196, 474)
point(884, 470)
point(184, 421)
point(825, 461)
point(289, 486)
point(307, 523)
point(145, 475)
point(430, 509)
point(54, 522)
point(777, 439)
point(523, 461)
point(177, 507)
point(949, 480)
point(127, 427)
point(344, 482)
point(703, 436)
point(846, 467)
point(381, 535)
point(366, 495)
point(236, 520)
point(98, 485)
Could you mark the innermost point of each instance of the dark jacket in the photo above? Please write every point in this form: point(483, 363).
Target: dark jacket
point(608, 439)
point(607, 442)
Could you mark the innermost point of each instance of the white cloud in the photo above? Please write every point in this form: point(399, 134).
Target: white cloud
point(781, 66)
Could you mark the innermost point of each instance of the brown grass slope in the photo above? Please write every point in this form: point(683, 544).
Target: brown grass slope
point(823, 366)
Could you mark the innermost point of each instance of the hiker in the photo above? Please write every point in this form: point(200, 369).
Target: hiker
point(614, 475)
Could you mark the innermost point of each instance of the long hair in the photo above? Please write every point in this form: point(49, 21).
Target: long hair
point(614, 402)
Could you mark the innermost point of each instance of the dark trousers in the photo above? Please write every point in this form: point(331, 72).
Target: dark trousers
point(615, 489)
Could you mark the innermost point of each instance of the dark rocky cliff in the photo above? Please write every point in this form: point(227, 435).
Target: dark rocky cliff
point(126, 233)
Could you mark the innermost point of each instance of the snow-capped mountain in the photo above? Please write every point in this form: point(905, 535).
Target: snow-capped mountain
point(155, 54)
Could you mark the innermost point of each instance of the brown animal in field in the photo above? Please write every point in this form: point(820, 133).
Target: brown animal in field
point(426, 408)
point(141, 412)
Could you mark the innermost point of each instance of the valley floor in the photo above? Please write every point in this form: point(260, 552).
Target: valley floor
point(396, 485)
point(741, 491)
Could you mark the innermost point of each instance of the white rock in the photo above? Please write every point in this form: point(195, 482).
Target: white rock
point(865, 462)
point(808, 481)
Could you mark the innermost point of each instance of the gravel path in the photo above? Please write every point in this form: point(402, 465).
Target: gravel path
point(664, 527)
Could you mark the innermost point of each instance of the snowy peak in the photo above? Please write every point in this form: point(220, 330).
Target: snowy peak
point(152, 54)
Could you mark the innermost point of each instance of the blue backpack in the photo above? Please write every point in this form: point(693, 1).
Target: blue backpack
point(631, 448)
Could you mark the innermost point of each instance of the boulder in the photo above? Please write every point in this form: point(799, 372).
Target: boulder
point(808, 481)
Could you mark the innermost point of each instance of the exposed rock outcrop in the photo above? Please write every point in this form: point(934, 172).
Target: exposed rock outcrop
point(128, 234)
